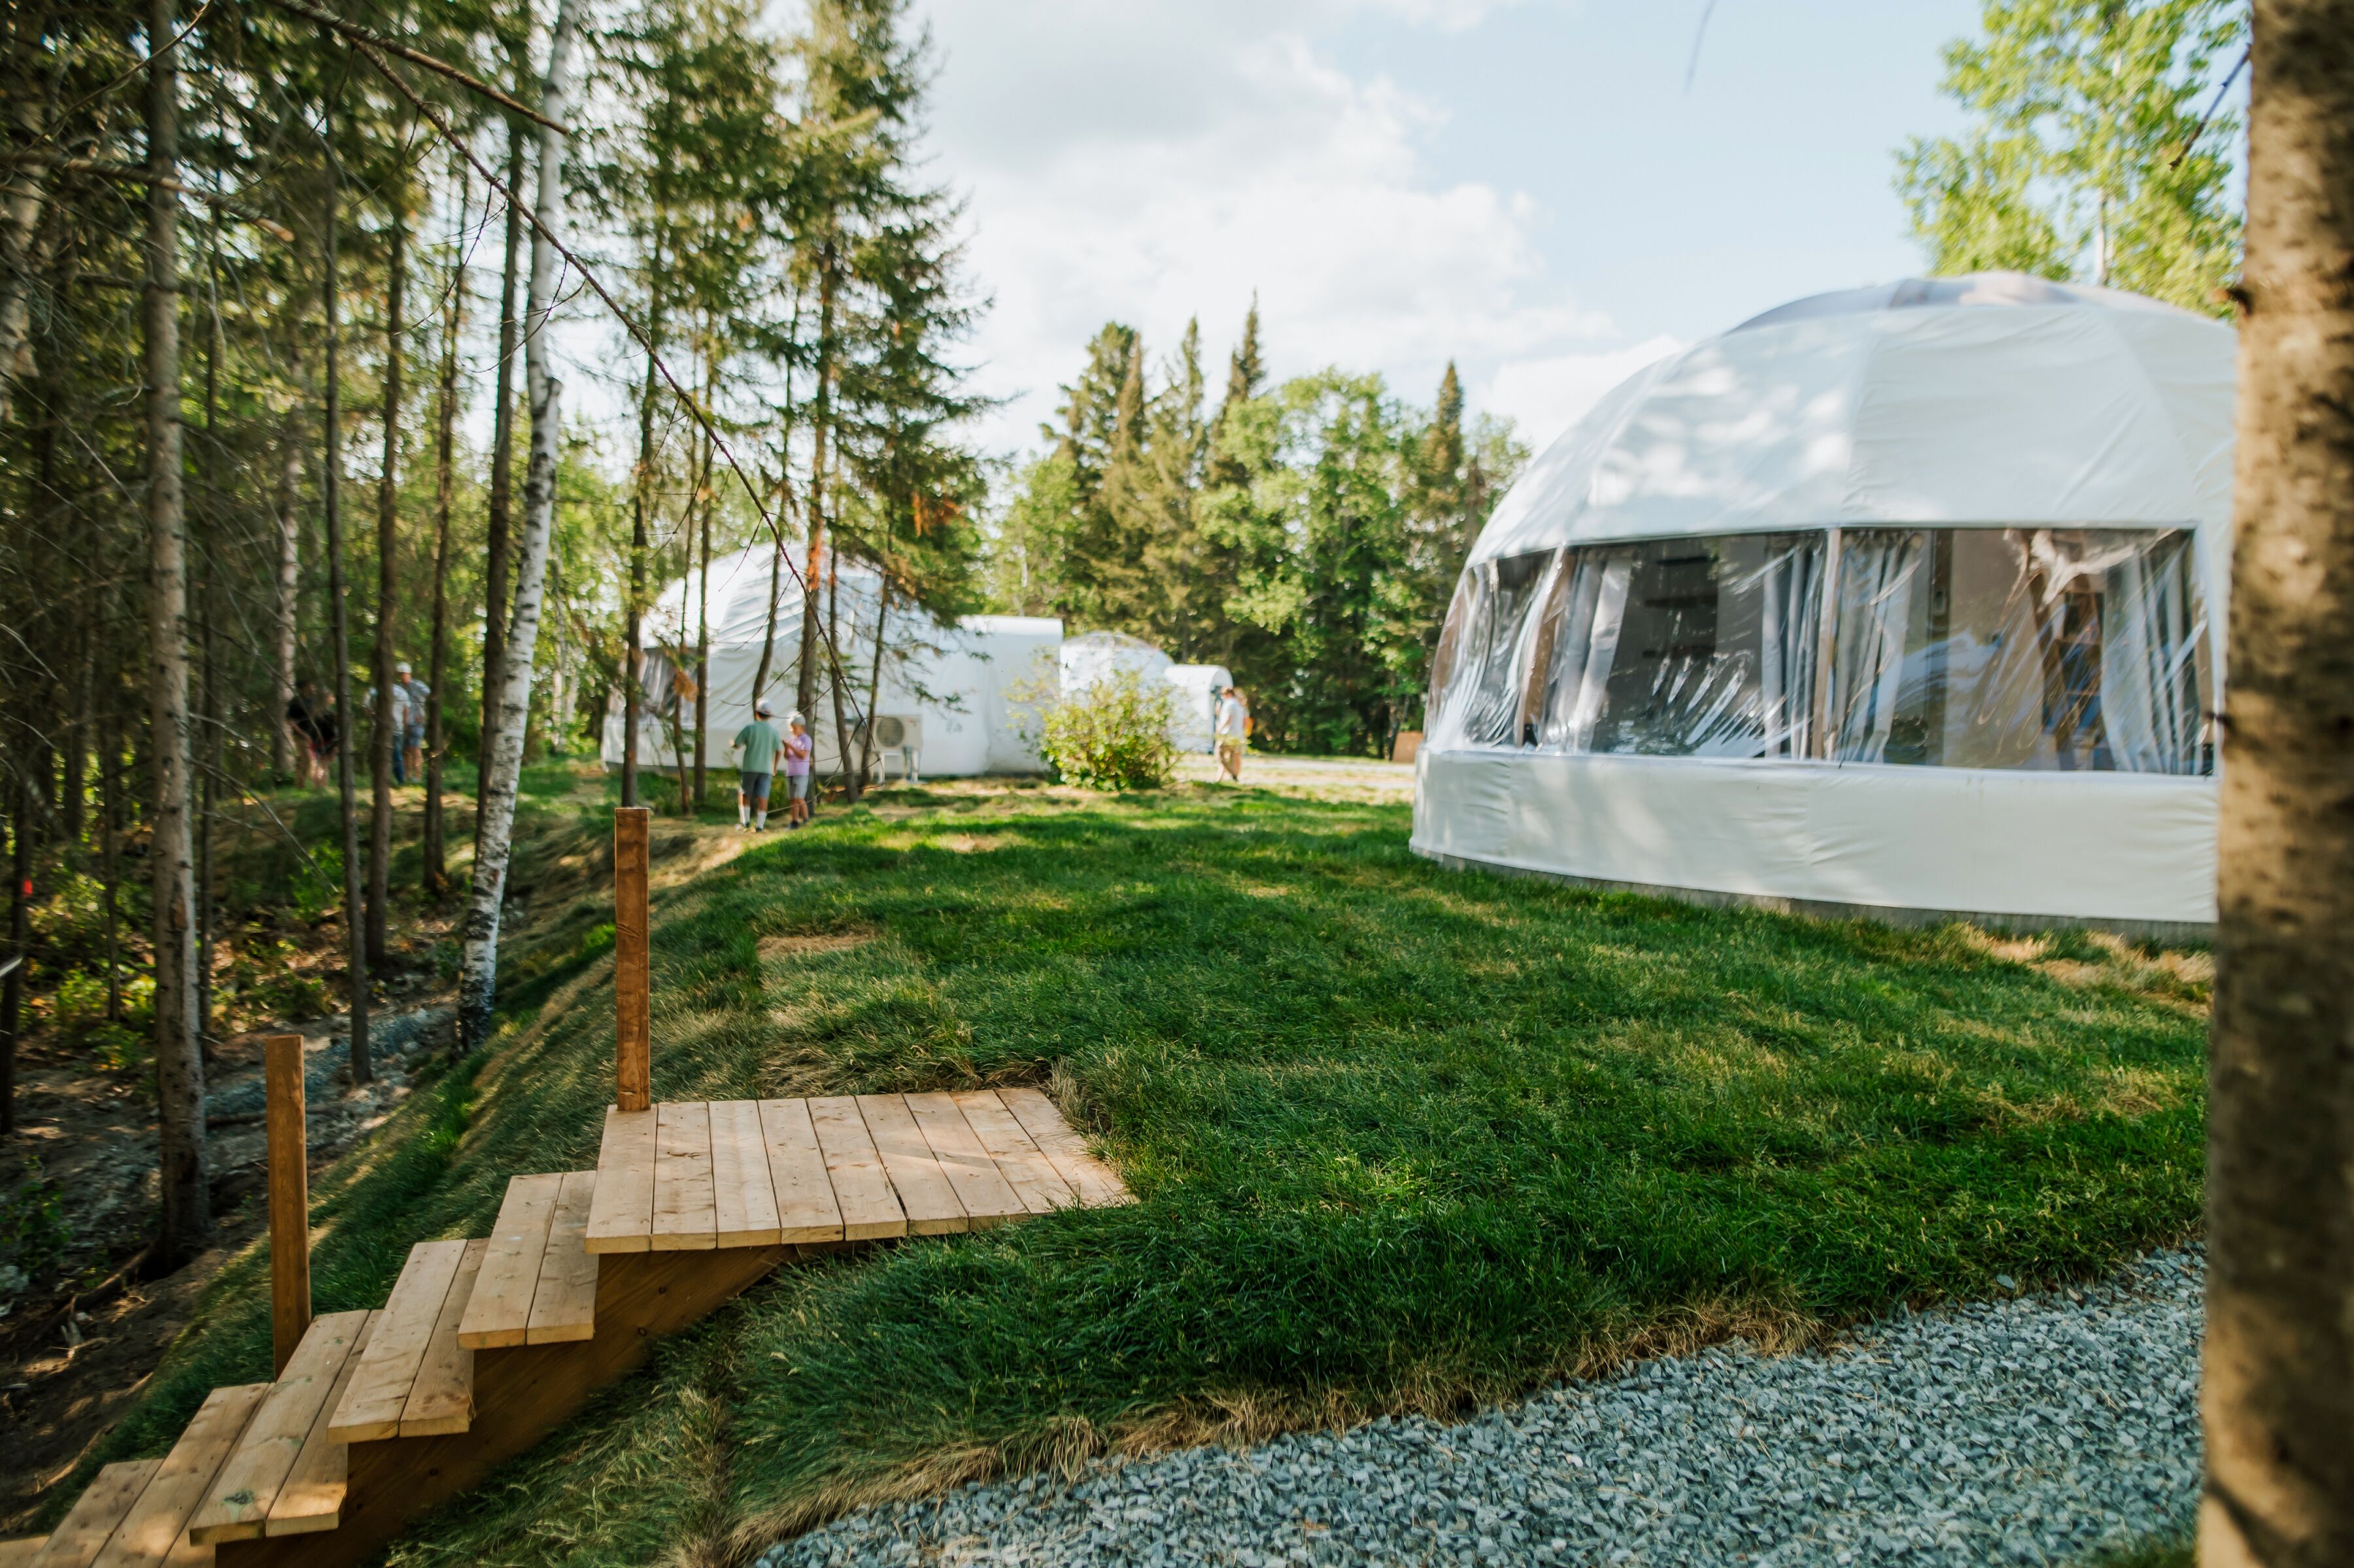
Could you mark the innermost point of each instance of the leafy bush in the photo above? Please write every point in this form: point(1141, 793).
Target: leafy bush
point(1113, 735)
point(319, 884)
point(34, 1233)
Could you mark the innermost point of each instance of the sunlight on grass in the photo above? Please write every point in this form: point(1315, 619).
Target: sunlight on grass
point(1404, 1139)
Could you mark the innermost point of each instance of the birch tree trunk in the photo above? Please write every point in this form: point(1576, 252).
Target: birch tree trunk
point(2278, 1396)
point(24, 244)
point(186, 1206)
point(330, 488)
point(384, 733)
point(453, 319)
point(497, 545)
point(478, 974)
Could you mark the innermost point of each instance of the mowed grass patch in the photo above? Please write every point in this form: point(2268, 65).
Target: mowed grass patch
point(1402, 1138)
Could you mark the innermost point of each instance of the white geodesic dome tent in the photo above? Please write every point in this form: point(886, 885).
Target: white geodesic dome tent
point(1905, 599)
point(960, 693)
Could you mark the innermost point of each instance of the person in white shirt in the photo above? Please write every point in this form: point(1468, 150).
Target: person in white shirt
point(1233, 725)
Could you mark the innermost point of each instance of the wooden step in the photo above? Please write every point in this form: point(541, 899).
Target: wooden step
point(537, 1284)
point(760, 1172)
point(414, 1378)
point(137, 1514)
point(20, 1551)
point(1094, 1181)
point(286, 1477)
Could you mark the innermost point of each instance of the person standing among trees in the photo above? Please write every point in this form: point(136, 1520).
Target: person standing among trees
point(313, 720)
point(757, 742)
point(799, 750)
point(408, 695)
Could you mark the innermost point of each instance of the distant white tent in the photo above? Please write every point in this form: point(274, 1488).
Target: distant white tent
point(1199, 686)
point(1097, 655)
point(1907, 600)
point(951, 699)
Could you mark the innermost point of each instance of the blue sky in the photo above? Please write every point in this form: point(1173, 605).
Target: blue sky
point(1523, 186)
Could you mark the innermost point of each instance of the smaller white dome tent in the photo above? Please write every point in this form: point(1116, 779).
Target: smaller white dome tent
point(1905, 599)
point(1194, 727)
point(964, 686)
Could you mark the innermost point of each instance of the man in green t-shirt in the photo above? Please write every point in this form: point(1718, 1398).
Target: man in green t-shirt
point(757, 741)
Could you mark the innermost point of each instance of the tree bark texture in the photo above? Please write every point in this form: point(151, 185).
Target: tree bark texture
point(2278, 1394)
point(634, 681)
point(496, 544)
point(445, 439)
point(282, 761)
point(478, 973)
point(340, 631)
point(805, 697)
point(186, 1212)
point(383, 732)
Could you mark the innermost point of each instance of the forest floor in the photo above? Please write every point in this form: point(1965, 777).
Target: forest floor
point(1407, 1141)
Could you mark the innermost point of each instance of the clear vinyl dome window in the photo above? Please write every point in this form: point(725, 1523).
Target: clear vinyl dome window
point(2015, 648)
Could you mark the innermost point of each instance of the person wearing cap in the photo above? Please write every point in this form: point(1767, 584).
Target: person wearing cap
point(757, 742)
point(408, 696)
point(799, 747)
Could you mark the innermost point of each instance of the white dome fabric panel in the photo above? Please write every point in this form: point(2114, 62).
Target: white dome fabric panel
point(1974, 415)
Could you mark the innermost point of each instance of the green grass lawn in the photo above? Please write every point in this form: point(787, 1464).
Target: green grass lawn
point(1404, 1140)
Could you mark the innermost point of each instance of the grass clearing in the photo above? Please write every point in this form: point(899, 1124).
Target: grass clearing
point(1402, 1139)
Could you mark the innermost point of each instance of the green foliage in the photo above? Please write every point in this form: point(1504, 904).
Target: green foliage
point(317, 889)
point(1403, 1138)
point(2082, 108)
point(1114, 735)
point(1307, 538)
point(34, 1233)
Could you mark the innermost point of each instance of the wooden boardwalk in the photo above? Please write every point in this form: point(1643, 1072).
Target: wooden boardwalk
point(485, 1344)
point(265, 1470)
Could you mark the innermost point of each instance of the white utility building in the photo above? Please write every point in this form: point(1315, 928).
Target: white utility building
point(1904, 600)
point(953, 700)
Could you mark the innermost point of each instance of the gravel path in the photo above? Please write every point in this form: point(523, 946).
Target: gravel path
point(2027, 1431)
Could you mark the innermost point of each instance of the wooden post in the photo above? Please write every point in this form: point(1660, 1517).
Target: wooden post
point(290, 1197)
point(633, 1087)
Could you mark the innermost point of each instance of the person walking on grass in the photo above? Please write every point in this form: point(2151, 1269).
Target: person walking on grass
point(1233, 724)
point(757, 742)
point(799, 748)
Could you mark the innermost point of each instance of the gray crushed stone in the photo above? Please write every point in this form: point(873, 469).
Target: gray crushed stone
point(2036, 1430)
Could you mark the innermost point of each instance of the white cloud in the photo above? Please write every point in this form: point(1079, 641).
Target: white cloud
point(1545, 396)
point(1147, 161)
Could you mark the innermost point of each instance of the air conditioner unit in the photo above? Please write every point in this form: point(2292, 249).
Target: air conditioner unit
point(898, 732)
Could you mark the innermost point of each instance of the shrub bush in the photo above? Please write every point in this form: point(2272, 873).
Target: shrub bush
point(1114, 735)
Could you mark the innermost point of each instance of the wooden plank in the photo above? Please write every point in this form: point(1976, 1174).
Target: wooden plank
point(378, 1392)
point(1090, 1178)
point(81, 1535)
point(313, 1498)
point(1018, 1157)
point(564, 1307)
point(633, 972)
point(622, 1217)
point(924, 1189)
point(743, 1191)
point(987, 1197)
point(499, 1310)
point(290, 1197)
point(158, 1520)
point(686, 1218)
point(807, 1210)
point(861, 1186)
point(442, 1398)
point(21, 1551)
point(238, 1504)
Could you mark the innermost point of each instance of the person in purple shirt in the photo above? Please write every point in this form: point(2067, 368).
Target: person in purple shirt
point(797, 750)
